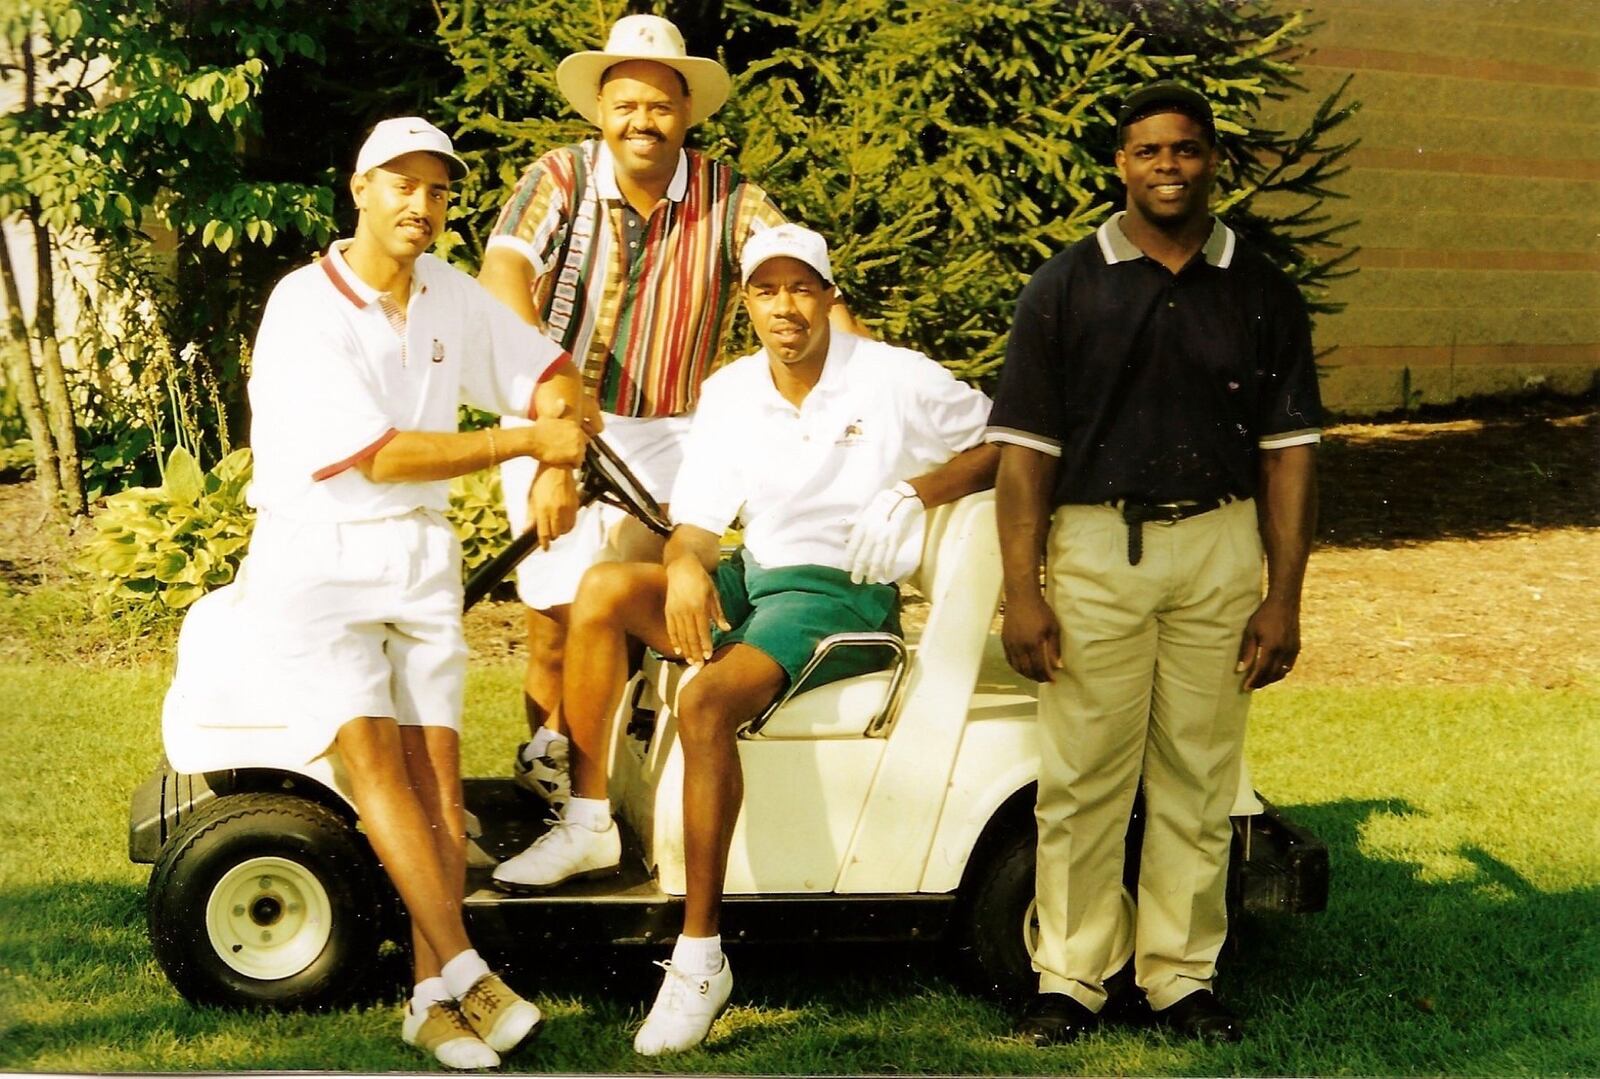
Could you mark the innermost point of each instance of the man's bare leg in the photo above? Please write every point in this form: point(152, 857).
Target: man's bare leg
point(616, 600)
point(541, 682)
point(736, 684)
point(425, 859)
point(547, 632)
point(401, 832)
point(433, 761)
point(733, 689)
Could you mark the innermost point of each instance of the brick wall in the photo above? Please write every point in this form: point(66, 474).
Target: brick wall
point(1477, 186)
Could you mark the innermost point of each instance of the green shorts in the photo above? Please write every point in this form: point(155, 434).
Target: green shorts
point(785, 612)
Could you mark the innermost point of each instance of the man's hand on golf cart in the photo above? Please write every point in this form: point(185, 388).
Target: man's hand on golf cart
point(1032, 637)
point(692, 604)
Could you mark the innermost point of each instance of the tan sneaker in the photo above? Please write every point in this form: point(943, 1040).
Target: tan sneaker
point(502, 1019)
point(443, 1031)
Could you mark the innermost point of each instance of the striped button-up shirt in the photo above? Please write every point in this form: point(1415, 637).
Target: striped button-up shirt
point(643, 309)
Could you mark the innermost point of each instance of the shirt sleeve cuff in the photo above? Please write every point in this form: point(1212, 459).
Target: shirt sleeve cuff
point(1027, 439)
point(1285, 439)
point(330, 471)
point(521, 247)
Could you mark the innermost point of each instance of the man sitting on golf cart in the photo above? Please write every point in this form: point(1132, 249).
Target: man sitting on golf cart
point(830, 447)
point(343, 629)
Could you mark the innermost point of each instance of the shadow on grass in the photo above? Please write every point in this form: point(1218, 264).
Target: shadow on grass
point(1482, 973)
point(1503, 475)
point(1479, 973)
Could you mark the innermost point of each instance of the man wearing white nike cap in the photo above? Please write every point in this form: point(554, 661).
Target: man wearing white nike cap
point(830, 447)
point(343, 629)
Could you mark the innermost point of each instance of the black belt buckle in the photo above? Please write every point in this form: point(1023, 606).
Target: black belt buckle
point(1135, 514)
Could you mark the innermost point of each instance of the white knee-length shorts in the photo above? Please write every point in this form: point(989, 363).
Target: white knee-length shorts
point(326, 622)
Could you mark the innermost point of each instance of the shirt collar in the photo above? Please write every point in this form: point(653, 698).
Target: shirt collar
point(357, 291)
point(605, 176)
point(841, 346)
point(1116, 247)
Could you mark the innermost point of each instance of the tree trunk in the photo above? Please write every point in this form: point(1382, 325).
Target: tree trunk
point(27, 383)
point(55, 375)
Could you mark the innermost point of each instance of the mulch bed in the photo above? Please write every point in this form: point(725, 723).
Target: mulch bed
point(1453, 549)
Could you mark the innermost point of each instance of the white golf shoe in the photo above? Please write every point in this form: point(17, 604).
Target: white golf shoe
point(568, 851)
point(548, 775)
point(684, 1010)
point(443, 1031)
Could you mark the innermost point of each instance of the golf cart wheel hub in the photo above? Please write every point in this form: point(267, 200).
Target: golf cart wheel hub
point(268, 918)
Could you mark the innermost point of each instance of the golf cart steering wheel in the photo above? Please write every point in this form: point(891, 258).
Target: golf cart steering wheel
point(603, 478)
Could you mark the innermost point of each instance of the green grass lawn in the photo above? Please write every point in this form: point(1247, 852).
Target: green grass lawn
point(1462, 937)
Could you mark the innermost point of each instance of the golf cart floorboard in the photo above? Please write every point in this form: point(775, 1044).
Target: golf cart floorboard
point(630, 908)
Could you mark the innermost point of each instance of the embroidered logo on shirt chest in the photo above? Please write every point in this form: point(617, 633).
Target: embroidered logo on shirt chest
point(852, 434)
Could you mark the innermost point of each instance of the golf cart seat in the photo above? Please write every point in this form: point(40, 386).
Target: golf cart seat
point(865, 705)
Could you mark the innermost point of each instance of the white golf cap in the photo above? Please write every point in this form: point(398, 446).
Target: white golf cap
point(404, 135)
point(643, 37)
point(786, 241)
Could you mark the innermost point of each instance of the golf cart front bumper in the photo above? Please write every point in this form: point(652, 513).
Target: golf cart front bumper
point(161, 805)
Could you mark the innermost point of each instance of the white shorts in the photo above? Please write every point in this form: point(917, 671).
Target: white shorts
point(651, 448)
point(325, 623)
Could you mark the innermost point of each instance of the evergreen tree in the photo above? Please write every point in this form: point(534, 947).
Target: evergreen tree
point(945, 150)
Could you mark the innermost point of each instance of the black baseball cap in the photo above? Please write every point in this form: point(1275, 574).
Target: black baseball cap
point(1166, 97)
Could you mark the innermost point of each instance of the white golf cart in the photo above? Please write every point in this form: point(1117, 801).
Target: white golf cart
point(895, 806)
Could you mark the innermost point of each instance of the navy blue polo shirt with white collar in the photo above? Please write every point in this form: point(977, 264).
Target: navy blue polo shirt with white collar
point(1152, 386)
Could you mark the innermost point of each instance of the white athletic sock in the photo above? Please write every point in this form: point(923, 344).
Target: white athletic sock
point(593, 813)
point(463, 972)
point(429, 991)
point(540, 742)
point(698, 955)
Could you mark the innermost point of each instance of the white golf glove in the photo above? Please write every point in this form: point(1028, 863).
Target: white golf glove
point(886, 542)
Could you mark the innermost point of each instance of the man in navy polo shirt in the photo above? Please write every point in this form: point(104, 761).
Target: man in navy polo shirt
point(1158, 411)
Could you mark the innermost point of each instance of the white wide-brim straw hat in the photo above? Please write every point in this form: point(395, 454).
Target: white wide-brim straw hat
point(643, 37)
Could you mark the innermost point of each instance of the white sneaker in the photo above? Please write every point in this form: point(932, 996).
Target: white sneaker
point(548, 775)
point(568, 851)
point(684, 1010)
point(443, 1031)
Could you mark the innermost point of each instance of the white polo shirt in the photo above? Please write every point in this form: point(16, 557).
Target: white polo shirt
point(338, 370)
point(799, 476)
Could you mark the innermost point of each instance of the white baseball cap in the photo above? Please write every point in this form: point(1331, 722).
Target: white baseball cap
point(404, 135)
point(786, 241)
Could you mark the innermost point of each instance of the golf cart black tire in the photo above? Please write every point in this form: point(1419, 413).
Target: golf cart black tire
point(992, 937)
point(231, 831)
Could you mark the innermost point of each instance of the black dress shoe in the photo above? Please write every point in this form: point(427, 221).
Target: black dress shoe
point(1201, 1015)
point(1055, 1018)
point(1125, 1004)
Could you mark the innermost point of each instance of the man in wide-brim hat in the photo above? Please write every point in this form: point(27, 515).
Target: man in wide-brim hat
point(626, 250)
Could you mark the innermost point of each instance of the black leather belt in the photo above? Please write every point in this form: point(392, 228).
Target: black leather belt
point(1136, 514)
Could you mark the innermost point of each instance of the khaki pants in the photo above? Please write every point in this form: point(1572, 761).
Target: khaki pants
point(1148, 688)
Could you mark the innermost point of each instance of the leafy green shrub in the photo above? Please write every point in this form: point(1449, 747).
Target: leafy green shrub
point(158, 549)
point(16, 461)
point(166, 546)
point(946, 150)
point(479, 518)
